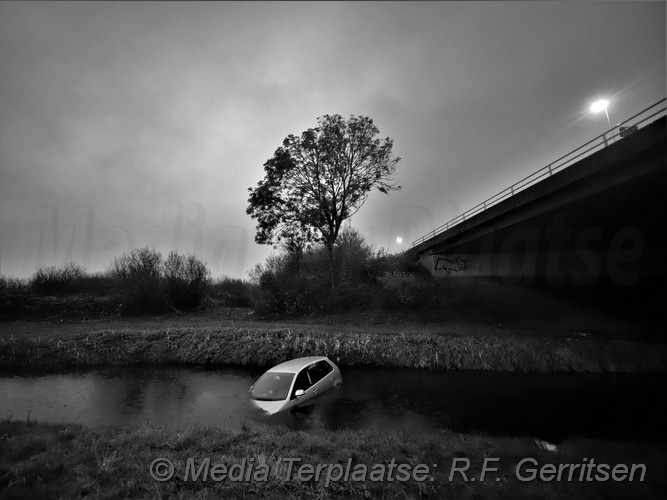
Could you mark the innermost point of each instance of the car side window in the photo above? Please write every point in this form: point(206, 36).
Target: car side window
point(319, 370)
point(303, 381)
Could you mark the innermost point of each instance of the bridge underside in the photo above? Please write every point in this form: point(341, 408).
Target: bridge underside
point(603, 217)
point(598, 228)
point(620, 232)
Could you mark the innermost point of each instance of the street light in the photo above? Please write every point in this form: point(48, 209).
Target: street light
point(596, 107)
point(599, 105)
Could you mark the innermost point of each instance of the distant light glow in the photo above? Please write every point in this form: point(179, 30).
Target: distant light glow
point(599, 105)
point(399, 240)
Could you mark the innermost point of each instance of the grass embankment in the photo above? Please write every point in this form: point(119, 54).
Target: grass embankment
point(70, 461)
point(258, 346)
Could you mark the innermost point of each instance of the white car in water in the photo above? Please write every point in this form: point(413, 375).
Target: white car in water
point(294, 382)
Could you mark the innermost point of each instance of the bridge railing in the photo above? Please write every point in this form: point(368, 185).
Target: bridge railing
point(608, 137)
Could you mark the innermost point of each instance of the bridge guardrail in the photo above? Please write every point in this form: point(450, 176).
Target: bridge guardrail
point(600, 142)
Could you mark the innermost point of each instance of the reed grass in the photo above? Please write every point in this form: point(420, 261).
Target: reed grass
point(264, 347)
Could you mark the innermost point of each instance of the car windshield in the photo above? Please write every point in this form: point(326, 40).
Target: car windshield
point(272, 386)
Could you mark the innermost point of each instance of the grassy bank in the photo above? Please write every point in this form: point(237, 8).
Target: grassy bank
point(51, 461)
point(259, 346)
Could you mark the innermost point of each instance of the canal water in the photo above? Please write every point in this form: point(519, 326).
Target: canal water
point(547, 406)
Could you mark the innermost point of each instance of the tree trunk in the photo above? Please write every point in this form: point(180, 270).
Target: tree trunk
point(330, 249)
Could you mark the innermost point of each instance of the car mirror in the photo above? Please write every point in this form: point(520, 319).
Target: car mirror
point(299, 392)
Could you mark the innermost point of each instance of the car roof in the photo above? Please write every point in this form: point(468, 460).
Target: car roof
point(296, 365)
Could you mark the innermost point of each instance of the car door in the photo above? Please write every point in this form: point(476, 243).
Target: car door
point(321, 375)
point(302, 382)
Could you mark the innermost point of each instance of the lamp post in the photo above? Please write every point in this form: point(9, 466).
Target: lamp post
point(600, 105)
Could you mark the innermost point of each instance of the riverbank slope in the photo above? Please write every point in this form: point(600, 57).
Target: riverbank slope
point(25, 344)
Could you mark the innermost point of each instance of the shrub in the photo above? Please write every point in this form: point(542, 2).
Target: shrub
point(14, 296)
point(100, 284)
point(351, 254)
point(138, 278)
point(278, 289)
point(350, 296)
point(57, 280)
point(401, 289)
point(232, 292)
point(10, 285)
point(274, 266)
point(186, 279)
point(281, 289)
point(364, 279)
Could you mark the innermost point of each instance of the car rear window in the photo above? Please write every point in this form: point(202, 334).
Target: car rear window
point(272, 386)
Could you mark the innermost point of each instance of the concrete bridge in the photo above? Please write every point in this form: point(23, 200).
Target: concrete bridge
point(595, 219)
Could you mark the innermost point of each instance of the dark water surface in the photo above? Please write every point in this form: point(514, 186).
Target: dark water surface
point(551, 406)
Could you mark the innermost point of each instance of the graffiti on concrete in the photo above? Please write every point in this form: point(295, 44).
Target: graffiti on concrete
point(451, 264)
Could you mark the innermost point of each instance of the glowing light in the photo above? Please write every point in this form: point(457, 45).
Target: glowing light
point(599, 105)
point(399, 240)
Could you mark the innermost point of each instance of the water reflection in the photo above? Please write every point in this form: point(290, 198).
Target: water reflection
point(415, 401)
point(123, 396)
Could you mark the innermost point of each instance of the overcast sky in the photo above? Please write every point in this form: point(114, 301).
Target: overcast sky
point(130, 124)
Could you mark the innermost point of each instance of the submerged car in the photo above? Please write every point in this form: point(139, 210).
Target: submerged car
point(294, 382)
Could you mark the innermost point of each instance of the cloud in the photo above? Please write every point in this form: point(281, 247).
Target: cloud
point(131, 108)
